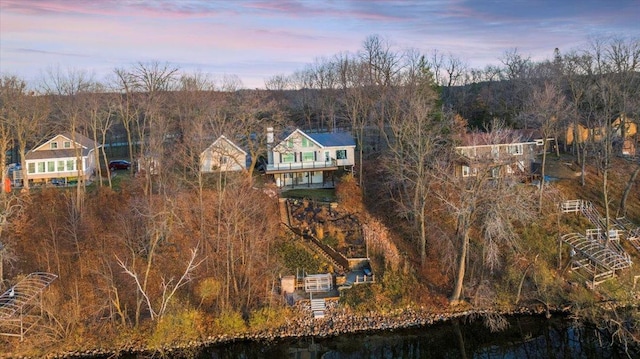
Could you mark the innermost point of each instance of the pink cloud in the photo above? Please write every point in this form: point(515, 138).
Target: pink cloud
point(249, 35)
point(306, 9)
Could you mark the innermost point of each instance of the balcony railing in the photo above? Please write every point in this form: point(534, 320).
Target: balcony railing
point(301, 165)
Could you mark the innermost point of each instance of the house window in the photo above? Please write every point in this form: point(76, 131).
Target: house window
point(51, 166)
point(308, 156)
point(67, 144)
point(341, 154)
point(287, 157)
point(290, 143)
point(495, 172)
point(495, 151)
point(31, 168)
point(515, 149)
point(466, 171)
point(306, 142)
point(60, 166)
point(224, 160)
point(40, 167)
point(70, 166)
point(54, 145)
point(327, 157)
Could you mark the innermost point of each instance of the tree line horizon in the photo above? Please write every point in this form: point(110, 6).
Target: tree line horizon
point(181, 244)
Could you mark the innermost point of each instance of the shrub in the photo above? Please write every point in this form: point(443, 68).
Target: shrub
point(360, 298)
point(294, 255)
point(267, 317)
point(208, 290)
point(230, 322)
point(182, 326)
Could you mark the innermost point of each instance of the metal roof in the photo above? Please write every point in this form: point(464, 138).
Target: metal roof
point(333, 139)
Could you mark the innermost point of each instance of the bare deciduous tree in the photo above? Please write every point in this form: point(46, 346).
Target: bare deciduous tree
point(483, 206)
point(67, 88)
point(169, 285)
point(415, 135)
point(547, 109)
point(25, 112)
point(352, 77)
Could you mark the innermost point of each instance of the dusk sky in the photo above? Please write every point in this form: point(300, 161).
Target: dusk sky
point(257, 39)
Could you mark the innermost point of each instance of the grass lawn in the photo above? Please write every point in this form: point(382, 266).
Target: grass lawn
point(319, 194)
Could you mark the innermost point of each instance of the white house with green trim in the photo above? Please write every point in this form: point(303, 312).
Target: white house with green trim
point(305, 159)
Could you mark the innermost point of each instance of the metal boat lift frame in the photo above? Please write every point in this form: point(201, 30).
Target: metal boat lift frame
point(18, 304)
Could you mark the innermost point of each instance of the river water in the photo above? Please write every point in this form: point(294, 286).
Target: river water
point(526, 337)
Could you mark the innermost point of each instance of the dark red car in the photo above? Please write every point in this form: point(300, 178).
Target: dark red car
point(119, 165)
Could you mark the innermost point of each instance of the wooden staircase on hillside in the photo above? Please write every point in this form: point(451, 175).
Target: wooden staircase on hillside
point(340, 262)
point(633, 231)
point(284, 212)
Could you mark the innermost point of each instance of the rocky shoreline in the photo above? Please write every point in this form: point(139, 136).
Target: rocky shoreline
point(337, 321)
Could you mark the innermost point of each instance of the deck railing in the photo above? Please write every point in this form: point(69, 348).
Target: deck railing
point(302, 165)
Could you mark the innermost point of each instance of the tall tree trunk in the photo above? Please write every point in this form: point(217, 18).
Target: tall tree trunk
point(423, 235)
point(544, 163)
point(462, 264)
point(23, 163)
point(622, 211)
point(583, 164)
point(605, 175)
point(605, 190)
point(106, 161)
point(360, 142)
point(127, 128)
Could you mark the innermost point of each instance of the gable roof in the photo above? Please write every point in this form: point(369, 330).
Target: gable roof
point(299, 131)
point(224, 138)
point(84, 141)
point(86, 144)
point(325, 139)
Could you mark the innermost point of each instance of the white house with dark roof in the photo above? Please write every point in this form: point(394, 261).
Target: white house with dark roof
point(223, 155)
point(66, 157)
point(305, 159)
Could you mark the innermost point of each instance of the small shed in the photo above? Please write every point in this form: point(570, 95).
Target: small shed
point(288, 284)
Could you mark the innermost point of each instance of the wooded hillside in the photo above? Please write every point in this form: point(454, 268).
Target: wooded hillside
point(174, 253)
